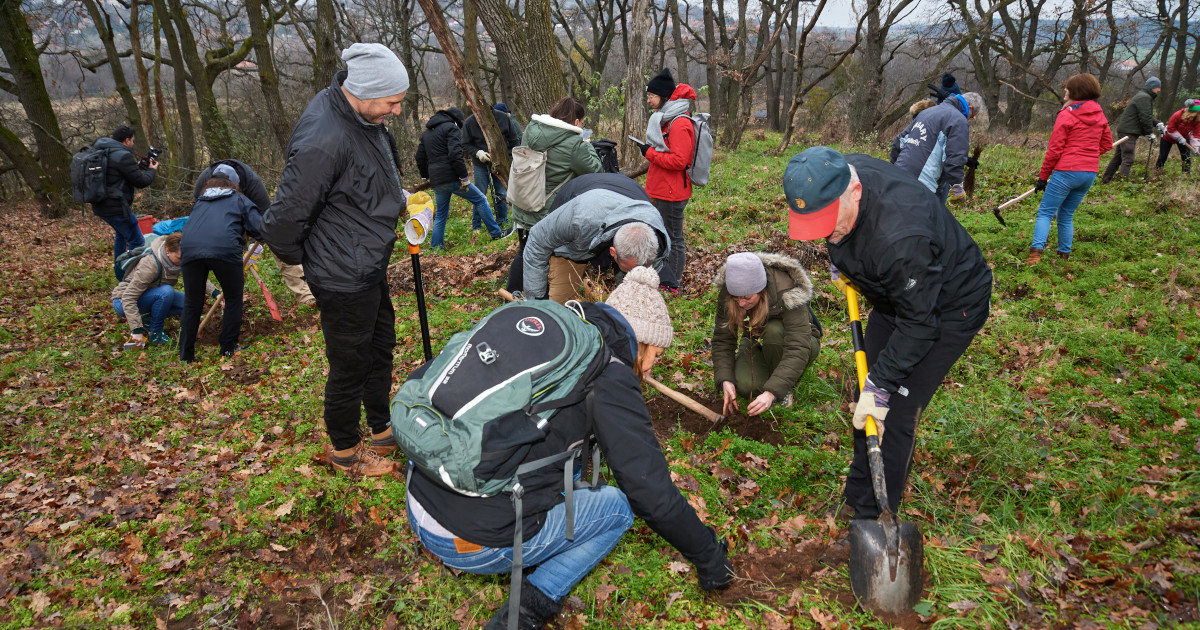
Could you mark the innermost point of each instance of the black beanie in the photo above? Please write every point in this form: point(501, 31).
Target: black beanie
point(662, 84)
point(949, 84)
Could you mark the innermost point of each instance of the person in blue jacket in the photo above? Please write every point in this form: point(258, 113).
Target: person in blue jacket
point(934, 146)
point(213, 240)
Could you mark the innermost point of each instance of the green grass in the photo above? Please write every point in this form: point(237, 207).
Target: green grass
point(1055, 478)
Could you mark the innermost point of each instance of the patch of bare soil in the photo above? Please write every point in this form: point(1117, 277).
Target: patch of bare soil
point(667, 415)
point(260, 325)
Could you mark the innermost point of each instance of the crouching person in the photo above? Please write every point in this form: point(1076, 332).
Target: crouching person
point(556, 531)
point(764, 299)
point(149, 289)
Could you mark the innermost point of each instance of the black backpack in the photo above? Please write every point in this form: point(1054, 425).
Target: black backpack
point(607, 150)
point(89, 170)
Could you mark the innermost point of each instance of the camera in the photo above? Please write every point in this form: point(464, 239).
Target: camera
point(151, 154)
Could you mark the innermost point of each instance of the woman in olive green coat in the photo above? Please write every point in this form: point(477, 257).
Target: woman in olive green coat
point(764, 300)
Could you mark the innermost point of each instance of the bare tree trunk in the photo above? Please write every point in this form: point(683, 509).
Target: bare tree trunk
point(325, 61)
point(135, 42)
point(529, 54)
point(48, 177)
point(681, 60)
point(710, 61)
point(466, 84)
point(187, 131)
point(471, 40)
point(103, 24)
point(267, 77)
point(635, 81)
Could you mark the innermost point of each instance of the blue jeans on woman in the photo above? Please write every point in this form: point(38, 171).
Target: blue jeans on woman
point(128, 234)
point(441, 196)
point(601, 517)
point(160, 302)
point(1063, 193)
point(483, 179)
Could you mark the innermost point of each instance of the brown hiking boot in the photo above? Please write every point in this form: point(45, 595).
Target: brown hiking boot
point(363, 461)
point(1064, 255)
point(1035, 256)
point(383, 443)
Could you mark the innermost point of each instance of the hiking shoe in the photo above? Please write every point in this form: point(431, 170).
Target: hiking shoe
point(503, 234)
point(384, 446)
point(229, 353)
point(363, 461)
point(159, 337)
point(1062, 255)
point(1035, 256)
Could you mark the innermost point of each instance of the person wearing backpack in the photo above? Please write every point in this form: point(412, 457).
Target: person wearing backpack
point(475, 145)
point(252, 186)
point(605, 220)
point(670, 146)
point(148, 288)
point(477, 534)
point(764, 299)
point(122, 176)
point(213, 240)
point(440, 160)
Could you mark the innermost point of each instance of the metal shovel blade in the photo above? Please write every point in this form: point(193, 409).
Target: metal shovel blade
point(887, 563)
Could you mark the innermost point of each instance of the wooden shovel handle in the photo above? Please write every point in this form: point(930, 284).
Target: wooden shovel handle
point(686, 401)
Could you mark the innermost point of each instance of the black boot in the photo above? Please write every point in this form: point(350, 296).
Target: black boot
point(536, 610)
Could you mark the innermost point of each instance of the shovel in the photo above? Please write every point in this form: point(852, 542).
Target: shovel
point(887, 555)
point(1006, 204)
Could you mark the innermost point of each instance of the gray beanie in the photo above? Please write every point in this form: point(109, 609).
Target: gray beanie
point(374, 71)
point(1153, 82)
point(744, 274)
point(637, 299)
point(226, 171)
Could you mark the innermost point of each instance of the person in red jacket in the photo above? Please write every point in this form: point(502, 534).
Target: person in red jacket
point(1080, 136)
point(1182, 129)
point(670, 144)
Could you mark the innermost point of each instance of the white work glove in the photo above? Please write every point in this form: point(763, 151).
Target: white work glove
point(1162, 129)
point(872, 402)
point(483, 156)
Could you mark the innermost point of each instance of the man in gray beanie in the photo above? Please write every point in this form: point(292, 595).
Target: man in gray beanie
point(1136, 120)
point(335, 212)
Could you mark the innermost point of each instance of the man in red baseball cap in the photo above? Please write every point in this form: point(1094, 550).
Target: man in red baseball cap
point(925, 277)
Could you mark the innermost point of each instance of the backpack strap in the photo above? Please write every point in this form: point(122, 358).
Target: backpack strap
point(518, 491)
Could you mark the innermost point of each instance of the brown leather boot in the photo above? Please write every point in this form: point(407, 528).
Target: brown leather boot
point(1064, 255)
point(384, 444)
point(362, 461)
point(1035, 256)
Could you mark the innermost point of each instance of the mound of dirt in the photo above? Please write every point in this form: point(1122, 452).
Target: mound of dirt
point(667, 415)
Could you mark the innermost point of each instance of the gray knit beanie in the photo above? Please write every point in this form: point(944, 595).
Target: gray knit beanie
point(639, 302)
point(1153, 82)
point(744, 274)
point(374, 71)
point(226, 171)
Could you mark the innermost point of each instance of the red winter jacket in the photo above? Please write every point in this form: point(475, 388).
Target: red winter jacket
point(1178, 128)
point(1080, 136)
point(667, 178)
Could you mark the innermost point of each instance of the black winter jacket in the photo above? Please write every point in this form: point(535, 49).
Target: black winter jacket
point(474, 141)
point(339, 197)
point(440, 154)
point(626, 437)
point(249, 181)
point(913, 261)
point(216, 226)
point(124, 175)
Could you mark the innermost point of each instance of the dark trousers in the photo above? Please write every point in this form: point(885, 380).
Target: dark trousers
point(360, 333)
point(904, 413)
point(1123, 158)
point(1164, 152)
point(516, 272)
point(232, 280)
point(672, 218)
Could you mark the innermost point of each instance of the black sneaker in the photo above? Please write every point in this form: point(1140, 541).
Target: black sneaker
point(503, 235)
point(229, 353)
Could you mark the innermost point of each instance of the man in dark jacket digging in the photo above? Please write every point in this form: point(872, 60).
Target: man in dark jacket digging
point(440, 160)
point(335, 212)
point(927, 280)
point(1136, 120)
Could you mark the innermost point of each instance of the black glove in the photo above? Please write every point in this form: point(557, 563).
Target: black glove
point(1041, 185)
point(643, 148)
point(716, 573)
point(972, 163)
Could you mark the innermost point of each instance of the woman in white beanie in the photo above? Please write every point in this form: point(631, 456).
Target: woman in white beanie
point(764, 299)
point(637, 299)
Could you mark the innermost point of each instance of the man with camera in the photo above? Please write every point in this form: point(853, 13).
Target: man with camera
point(124, 174)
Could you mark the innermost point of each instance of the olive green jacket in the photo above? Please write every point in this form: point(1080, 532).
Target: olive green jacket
point(567, 155)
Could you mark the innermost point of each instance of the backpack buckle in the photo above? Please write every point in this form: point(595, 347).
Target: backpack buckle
point(486, 353)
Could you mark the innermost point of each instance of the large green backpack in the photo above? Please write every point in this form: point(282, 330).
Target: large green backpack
point(469, 422)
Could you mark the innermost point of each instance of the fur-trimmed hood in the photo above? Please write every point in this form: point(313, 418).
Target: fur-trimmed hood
point(793, 298)
point(554, 122)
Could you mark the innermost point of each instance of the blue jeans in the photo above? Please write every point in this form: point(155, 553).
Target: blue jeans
point(484, 177)
point(442, 194)
point(160, 302)
point(1063, 193)
point(128, 233)
point(601, 517)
